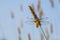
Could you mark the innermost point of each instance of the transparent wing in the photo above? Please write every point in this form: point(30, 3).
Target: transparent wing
point(43, 19)
point(28, 18)
point(29, 22)
point(45, 22)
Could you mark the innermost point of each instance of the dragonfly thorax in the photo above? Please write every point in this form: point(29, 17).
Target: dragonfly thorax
point(37, 23)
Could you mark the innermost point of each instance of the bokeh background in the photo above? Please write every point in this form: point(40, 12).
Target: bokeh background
point(9, 26)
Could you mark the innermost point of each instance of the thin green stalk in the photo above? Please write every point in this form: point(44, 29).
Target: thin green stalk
point(43, 32)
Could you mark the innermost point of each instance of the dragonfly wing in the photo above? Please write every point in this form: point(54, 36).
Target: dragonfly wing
point(43, 19)
point(28, 18)
point(29, 22)
point(45, 22)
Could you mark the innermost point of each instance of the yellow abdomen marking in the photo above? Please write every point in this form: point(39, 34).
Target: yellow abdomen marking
point(37, 24)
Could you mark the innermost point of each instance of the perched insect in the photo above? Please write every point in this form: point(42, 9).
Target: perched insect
point(36, 19)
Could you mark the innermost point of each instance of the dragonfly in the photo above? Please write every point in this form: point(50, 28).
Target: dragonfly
point(37, 20)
